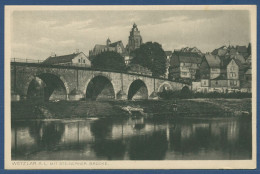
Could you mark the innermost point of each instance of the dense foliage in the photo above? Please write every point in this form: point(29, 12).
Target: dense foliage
point(109, 61)
point(152, 56)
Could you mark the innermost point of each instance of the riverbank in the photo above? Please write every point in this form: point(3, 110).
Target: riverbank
point(88, 109)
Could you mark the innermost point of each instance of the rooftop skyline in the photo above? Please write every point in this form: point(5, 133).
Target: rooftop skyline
point(36, 34)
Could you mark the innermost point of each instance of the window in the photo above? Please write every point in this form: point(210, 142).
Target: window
point(84, 61)
point(216, 82)
point(233, 83)
point(205, 83)
point(79, 60)
point(233, 74)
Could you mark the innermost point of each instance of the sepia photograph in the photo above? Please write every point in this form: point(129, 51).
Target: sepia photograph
point(130, 87)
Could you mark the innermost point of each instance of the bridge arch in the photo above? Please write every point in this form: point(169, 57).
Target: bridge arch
point(100, 87)
point(47, 85)
point(164, 85)
point(137, 90)
point(185, 89)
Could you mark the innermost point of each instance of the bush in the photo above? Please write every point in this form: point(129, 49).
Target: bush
point(169, 94)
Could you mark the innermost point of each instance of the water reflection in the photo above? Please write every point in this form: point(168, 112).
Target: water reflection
point(148, 147)
point(132, 139)
point(46, 134)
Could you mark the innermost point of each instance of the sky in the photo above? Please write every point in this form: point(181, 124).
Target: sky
point(38, 34)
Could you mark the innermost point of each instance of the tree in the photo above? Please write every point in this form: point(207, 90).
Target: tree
point(152, 56)
point(109, 60)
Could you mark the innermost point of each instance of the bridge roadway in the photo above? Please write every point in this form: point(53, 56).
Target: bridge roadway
point(59, 82)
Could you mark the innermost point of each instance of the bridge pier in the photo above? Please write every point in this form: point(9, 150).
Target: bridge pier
point(14, 95)
point(154, 95)
point(121, 95)
point(75, 95)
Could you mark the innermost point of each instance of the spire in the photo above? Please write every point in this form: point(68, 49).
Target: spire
point(108, 41)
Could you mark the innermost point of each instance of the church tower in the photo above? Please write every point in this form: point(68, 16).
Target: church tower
point(135, 39)
point(108, 42)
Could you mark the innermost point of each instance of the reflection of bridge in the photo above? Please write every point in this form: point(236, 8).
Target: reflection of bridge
point(73, 83)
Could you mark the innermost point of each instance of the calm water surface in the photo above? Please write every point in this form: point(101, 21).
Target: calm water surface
point(132, 139)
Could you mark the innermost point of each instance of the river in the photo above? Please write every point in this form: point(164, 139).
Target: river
point(132, 139)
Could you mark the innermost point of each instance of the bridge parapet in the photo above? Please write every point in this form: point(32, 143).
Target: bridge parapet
point(76, 81)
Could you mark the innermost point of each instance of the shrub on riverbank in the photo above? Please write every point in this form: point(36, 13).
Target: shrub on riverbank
point(169, 94)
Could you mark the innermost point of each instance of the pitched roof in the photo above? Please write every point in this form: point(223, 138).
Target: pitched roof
point(241, 58)
point(188, 57)
point(221, 77)
point(238, 62)
point(215, 52)
point(232, 51)
point(111, 46)
point(249, 57)
point(242, 49)
point(115, 43)
point(223, 47)
point(213, 60)
point(225, 62)
point(99, 47)
point(187, 49)
point(60, 59)
point(249, 71)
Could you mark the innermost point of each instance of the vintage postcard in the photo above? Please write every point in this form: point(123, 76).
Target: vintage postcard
point(130, 87)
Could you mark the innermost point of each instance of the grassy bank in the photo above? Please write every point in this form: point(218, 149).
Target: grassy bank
point(84, 109)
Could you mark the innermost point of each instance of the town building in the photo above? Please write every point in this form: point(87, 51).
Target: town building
point(134, 40)
point(210, 66)
point(184, 65)
point(248, 75)
point(246, 83)
point(219, 84)
point(228, 75)
point(233, 74)
point(75, 59)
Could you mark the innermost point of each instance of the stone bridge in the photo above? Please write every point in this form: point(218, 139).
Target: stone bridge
point(56, 82)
